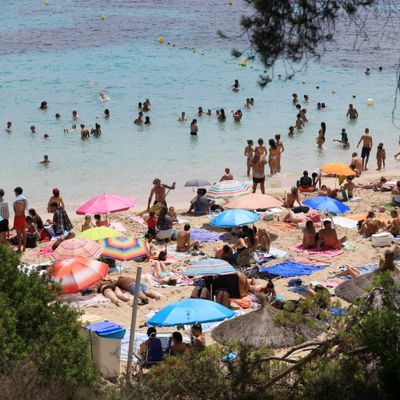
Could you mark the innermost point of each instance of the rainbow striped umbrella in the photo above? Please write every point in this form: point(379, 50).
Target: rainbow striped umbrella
point(77, 247)
point(211, 266)
point(77, 273)
point(228, 189)
point(124, 248)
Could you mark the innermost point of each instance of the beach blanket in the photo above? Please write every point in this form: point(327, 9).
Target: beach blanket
point(77, 300)
point(318, 262)
point(323, 253)
point(281, 226)
point(203, 235)
point(138, 219)
point(262, 256)
point(301, 290)
point(249, 301)
point(330, 283)
point(44, 251)
point(344, 222)
point(289, 268)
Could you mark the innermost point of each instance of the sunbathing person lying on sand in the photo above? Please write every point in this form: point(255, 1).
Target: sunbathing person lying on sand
point(326, 191)
point(128, 284)
point(350, 271)
point(226, 253)
point(111, 291)
point(327, 238)
point(160, 271)
point(376, 186)
point(370, 225)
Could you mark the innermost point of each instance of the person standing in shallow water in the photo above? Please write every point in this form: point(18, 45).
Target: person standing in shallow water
point(194, 128)
point(258, 164)
point(281, 148)
point(366, 140)
point(249, 153)
point(321, 135)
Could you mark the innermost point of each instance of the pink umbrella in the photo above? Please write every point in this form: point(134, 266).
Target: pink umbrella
point(105, 203)
point(254, 201)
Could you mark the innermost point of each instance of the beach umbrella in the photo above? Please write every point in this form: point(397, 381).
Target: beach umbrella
point(326, 203)
point(259, 329)
point(210, 266)
point(254, 201)
point(227, 189)
point(77, 247)
point(105, 203)
point(124, 248)
point(338, 169)
point(99, 233)
point(231, 218)
point(197, 183)
point(190, 311)
point(78, 273)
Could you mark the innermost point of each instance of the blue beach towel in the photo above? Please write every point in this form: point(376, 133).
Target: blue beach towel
point(289, 268)
point(301, 290)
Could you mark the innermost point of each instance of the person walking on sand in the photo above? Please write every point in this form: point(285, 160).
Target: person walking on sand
point(366, 140)
point(249, 153)
point(352, 112)
point(258, 164)
point(20, 205)
point(380, 157)
point(159, 192)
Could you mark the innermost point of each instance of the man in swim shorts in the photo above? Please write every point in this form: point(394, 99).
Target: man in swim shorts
point(366, 140)
point(159, 192)
point(20, 205)
point(128, 284)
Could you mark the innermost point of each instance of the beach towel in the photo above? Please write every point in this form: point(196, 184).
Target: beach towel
point(44, 251)
point(315, 261)
point(262, 256)
point(139, 338)
point(203, 235)
point(138, 219)
point(301, 290)
point(289, 268)
point(367, 269)
point(323, 253)
point(344, 222)
point(280, 226)
point(77, 300)
point(244, 302)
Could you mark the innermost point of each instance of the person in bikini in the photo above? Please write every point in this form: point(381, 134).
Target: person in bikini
point(183, 243)
point(159, 192)
point(249, 153)
point(128, 284)
point(160, 271)
point(20, 205)
point(111, 291)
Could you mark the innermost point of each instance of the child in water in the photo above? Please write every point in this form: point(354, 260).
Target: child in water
point(380, 157)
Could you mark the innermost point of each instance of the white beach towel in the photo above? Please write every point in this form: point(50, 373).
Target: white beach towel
point(345, 222)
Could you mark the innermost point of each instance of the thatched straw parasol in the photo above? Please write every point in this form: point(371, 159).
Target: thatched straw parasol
point(359, 287)
point(258, 329)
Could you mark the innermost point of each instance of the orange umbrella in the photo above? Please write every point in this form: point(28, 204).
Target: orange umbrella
point(254, 201)
point(338, 169)
point(78, 273)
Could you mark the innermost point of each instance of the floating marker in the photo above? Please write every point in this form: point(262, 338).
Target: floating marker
point(230, 2)
point(161, 40)
point(243, 63)
point(333, 91)
point(354, 95)
point(102, 17)
point(46, 2)
point(370, 101)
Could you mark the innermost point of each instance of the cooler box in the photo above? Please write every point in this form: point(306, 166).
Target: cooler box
point(381, 239)
point(105, 345)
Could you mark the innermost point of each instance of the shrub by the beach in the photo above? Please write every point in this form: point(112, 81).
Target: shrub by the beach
point(40, 337)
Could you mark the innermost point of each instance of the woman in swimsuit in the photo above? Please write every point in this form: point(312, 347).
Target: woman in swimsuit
point(321, 135)
point(160, 271)
point(279, 145)
point(274, 152)
point(194, 128)
point(112, 292)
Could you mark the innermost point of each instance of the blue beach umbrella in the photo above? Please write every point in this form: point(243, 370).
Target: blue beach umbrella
point(326, 203)
point(189, 312)
point(231, 218)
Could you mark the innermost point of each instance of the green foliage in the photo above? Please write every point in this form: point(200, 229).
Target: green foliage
point(37, 331)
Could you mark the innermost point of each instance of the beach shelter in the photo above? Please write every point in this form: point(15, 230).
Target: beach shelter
point(197, 183)
point(210, 266)
point(254, 201)
point(189, 312)
point(228, 189)
point(337, 169)
point(78, 273)
point(124, 248)
point(77, 247)
point(232, 218)
point(327, 204)
point(106, 203)
point(99, 233)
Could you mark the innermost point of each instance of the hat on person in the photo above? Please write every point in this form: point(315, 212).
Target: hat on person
point(151, 331)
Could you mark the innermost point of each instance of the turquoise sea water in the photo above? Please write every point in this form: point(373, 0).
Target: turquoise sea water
point(64, 54)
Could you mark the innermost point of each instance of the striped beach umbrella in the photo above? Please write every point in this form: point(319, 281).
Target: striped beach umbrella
point(77, 247)
point(124, 248)
point(78, 273)
point(228, 189)
point(210, 266)
point(98, 233)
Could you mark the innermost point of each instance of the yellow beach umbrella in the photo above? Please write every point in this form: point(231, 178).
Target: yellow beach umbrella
point(99, 233)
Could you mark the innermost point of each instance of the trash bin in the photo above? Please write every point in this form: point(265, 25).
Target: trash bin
point(105, 345)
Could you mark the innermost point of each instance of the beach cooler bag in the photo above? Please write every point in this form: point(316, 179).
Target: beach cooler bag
point(381, 239)
point(105, 346)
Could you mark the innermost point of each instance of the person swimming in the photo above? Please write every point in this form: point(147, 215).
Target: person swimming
point(45, 160)
point(8, 128)
point(69, 130)
point(344, 139)
point(182, 118)
point(43, 105)
point(235, 86)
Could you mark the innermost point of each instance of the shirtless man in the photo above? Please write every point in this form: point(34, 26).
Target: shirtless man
point(309, 236)
point(299, 122)
point(128, 284)
point(394, 225)
point(227, 176)
point(45, 160)
point(352, 113)
point(8, 128)
point(349, 186)
point(84, 132)
point(183, 243)
point(358, 163)
point(20, 205)
point(159, 192)
point(249, 153)
point(366, 140)
point(327, 238)
point(261, 146)
point(258, 164)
